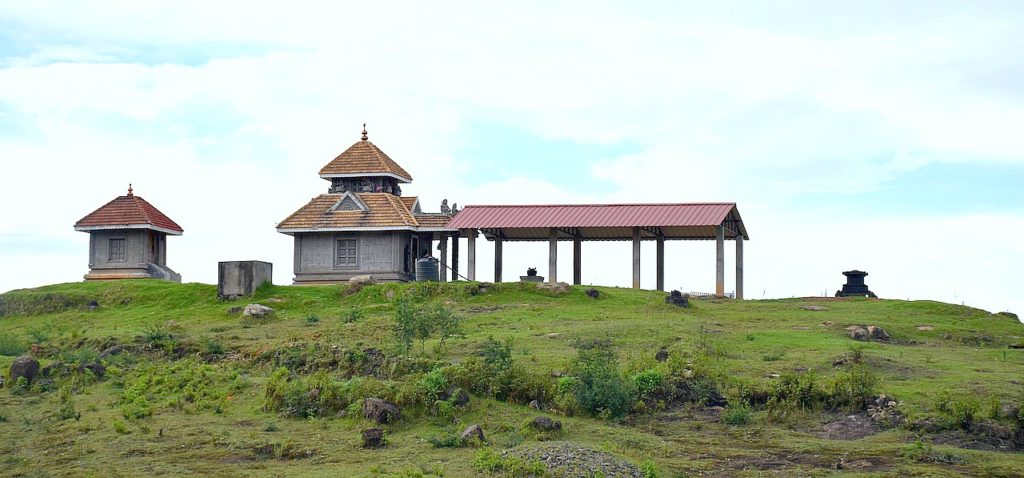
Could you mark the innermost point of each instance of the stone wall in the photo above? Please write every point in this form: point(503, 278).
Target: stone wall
point(241, 278)
point(381, 254)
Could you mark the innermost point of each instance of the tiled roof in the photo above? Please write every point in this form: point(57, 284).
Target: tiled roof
point(433, 221)
point(364, 159)
point(128, 212)
point(384, 211)
point(410, 202)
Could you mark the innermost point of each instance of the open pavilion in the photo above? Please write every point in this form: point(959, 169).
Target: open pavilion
point(603, 222)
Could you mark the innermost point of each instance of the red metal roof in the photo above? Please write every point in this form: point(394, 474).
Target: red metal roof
point(602, 221)
point(128, 211)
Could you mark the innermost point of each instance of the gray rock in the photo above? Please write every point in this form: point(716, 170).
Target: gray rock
point(95, 368)
point(534, 405)
point(257, 311)
point(545, 424)
point(860, 334)
point(24, 366)
point(473, 432)
point(678, 299)
point(557, 288)
point(661, 356)
point(55, 369)
point(878, 333)
point(456, 395)
point(365, 279)
point(381, 411)
point(118, 349)
point(593, 293)
point(373, 438)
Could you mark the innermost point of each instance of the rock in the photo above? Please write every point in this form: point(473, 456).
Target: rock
point(827, 323)
point(24, 366)
point(593, 293)
point(95, 368)
point(556, 373)
point(365, 279)
point(925, 328)
point(567, 459)
point(373, 438)
point(860, 333)
point(381, 411)
point(853, 327)
point(991, 429)
point(456, 395)
point(1009, 315)
point(534, 405)
point(118, 349)
point(557, 288)
point(1009, 410)
point(678, 299)
point(473, 432)
point(257, 311)
point(1, 381)
point(878, 333)
point(545, 424)
point(55, 369)
point(661, 355)
point(554, 335)
point(813, 308)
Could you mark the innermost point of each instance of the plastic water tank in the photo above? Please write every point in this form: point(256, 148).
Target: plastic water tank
point(426, 269)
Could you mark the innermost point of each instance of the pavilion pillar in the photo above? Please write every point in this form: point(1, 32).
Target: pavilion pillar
point(577, 260)
point(720, 261)
point(553, 255)
point(497, 260)
point(455, 256)
point(442, 247)
point(661, 263)
point(636, 258)
point(739, 266)
point(471, 255)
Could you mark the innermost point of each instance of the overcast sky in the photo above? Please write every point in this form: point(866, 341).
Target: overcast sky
point(883, 136)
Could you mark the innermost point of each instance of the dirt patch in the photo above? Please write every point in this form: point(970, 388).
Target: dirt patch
point(848, 427)
point(980, 440)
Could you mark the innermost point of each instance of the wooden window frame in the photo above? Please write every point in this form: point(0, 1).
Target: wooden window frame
point(354, 247)
point(117, 256)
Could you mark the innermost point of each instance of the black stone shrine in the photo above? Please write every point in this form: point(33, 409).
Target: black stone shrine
point(855, 286)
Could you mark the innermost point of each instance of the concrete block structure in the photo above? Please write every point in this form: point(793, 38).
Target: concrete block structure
point(128, 240)
point(363, 225)
point(242, 278)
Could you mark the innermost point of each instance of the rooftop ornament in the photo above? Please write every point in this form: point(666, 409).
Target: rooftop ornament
point(855, 286)
point(365, 137)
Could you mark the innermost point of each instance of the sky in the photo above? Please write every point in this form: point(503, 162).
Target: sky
point(882, 136)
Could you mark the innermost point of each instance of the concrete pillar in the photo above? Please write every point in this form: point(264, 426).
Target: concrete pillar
point(497, 260)
point(471, 255)
point(553, 256)
point(443, 249)
point(720, 261)
point(661, 263)
point(455, 256)
point(577, 261)
point(636, 258)
point(739, 267)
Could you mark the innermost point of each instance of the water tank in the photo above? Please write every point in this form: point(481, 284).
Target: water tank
point(426, 269)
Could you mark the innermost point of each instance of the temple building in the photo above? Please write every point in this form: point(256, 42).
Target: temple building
point(128, 240)
point(363, 225)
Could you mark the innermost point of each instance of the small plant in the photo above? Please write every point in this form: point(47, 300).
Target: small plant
point(649, 469)
point(488, 460)
point(648, 383)
point(992, 409)
point(11, 346)
point(120, 427)
point(354, 315)
point(737, 414)
point(773, 356)
point(853, 388)
point(312, 319)
point(598, 388)
point(213, 347)
point(270, 427)
point(964, 411)
point(67, 406)
point(38, 335)
point(497, 355)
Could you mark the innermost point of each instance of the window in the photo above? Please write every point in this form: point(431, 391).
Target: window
point(116, 253)
point(346, 253)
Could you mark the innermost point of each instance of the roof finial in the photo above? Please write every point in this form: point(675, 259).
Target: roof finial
point(364, 133)
point(130, 189)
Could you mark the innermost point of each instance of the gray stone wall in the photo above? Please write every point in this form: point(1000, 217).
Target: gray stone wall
point(136, 248)
point(381, 254)
point(241, 278)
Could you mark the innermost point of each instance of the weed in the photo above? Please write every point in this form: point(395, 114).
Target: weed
point(922, 452)
point(488, 460)
point(312, 320)
point(213, 347)
point(598, 387)
point(648, 383)
point(270, 427)
point(854, 388)
point(38, 335)
point(648, 469)
point(120, 427)
point(354, 315)
point(739, 414)
point(773, 356)
point(11, 346)
point(497, 355)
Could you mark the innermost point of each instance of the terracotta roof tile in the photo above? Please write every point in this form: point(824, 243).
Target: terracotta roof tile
point(364, 158)
point(128, 211)
point(383, 211)
point(432, 220)
point(410, 202)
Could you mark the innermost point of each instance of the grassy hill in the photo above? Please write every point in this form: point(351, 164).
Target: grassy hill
point(189, 386)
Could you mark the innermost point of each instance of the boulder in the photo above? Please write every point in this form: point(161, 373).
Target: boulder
point(556, 288)
point(860, 334)
point(661, 356)
point(362, 280)
point(678, 299)
point(545, 424)
point(373, 438)
point(24, 366)
point(456, 395)
point(257, 311)
point(878, 333)
point(118, 349)
point(554, 335)
point(381, 411)
point(593, 293)
point(96, 368)
point(534, 405)
point(473, 432)
point(55, 369)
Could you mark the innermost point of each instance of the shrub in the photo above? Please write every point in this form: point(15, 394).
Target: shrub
point(435, 383)
point(518, 385)
point(11, 346)
point(312, 319)
point(488, 460)
point(213, 347)
point(738, 414)
point(497, 355)
point(795, 391)
point(964, 410)
point(648, 469)
point(598, 388)
point(854, 388)
point(993, 409)
point(648, 383)
point(354, 315)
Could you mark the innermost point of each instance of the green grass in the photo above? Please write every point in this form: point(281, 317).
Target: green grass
point(201, 374)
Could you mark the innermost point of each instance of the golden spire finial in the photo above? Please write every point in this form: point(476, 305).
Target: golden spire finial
point(130, 189)
point(364, 133)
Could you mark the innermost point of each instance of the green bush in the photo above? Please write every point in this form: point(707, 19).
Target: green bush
point(11, 346)
point(497, 355)
point(964, 410)
point(598, 387)
point(648, 469)
point(648, 383)
point(414, 322)
point(792, 392)
point(739, 414)
point(488, 460)
point(854, 388)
